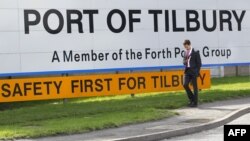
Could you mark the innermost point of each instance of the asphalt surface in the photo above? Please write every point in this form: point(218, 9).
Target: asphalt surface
point(188, 117)
point(212, 135)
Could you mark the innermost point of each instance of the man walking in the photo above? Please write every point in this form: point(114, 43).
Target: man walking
point(192, 62)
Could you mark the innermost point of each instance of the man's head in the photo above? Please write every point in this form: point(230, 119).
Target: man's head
point(187, 44)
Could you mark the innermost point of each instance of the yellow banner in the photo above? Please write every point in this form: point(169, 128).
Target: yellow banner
point(27, 89)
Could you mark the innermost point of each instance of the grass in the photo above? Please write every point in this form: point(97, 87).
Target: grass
point(44, 118)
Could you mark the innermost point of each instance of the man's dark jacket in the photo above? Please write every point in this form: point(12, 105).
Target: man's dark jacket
point(195, 62)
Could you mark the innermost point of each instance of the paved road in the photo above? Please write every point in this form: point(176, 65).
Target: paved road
point(211, 135)
point(188, 117)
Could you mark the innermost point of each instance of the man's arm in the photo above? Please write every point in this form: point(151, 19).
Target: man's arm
point(184, 61)
point(198, 61)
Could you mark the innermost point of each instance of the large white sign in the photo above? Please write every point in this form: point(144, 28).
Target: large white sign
point(55, 36)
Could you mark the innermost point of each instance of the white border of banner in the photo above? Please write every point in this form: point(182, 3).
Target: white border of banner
point(112, 70)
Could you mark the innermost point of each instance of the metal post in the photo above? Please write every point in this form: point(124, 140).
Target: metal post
point(237, 70)
point(132, 95)
point(65, 100)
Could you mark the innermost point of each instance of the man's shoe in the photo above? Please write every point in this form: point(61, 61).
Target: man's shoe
point(194, 105)
point(190, 104)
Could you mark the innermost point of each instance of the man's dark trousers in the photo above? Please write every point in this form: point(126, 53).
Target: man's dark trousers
point(190, 76)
